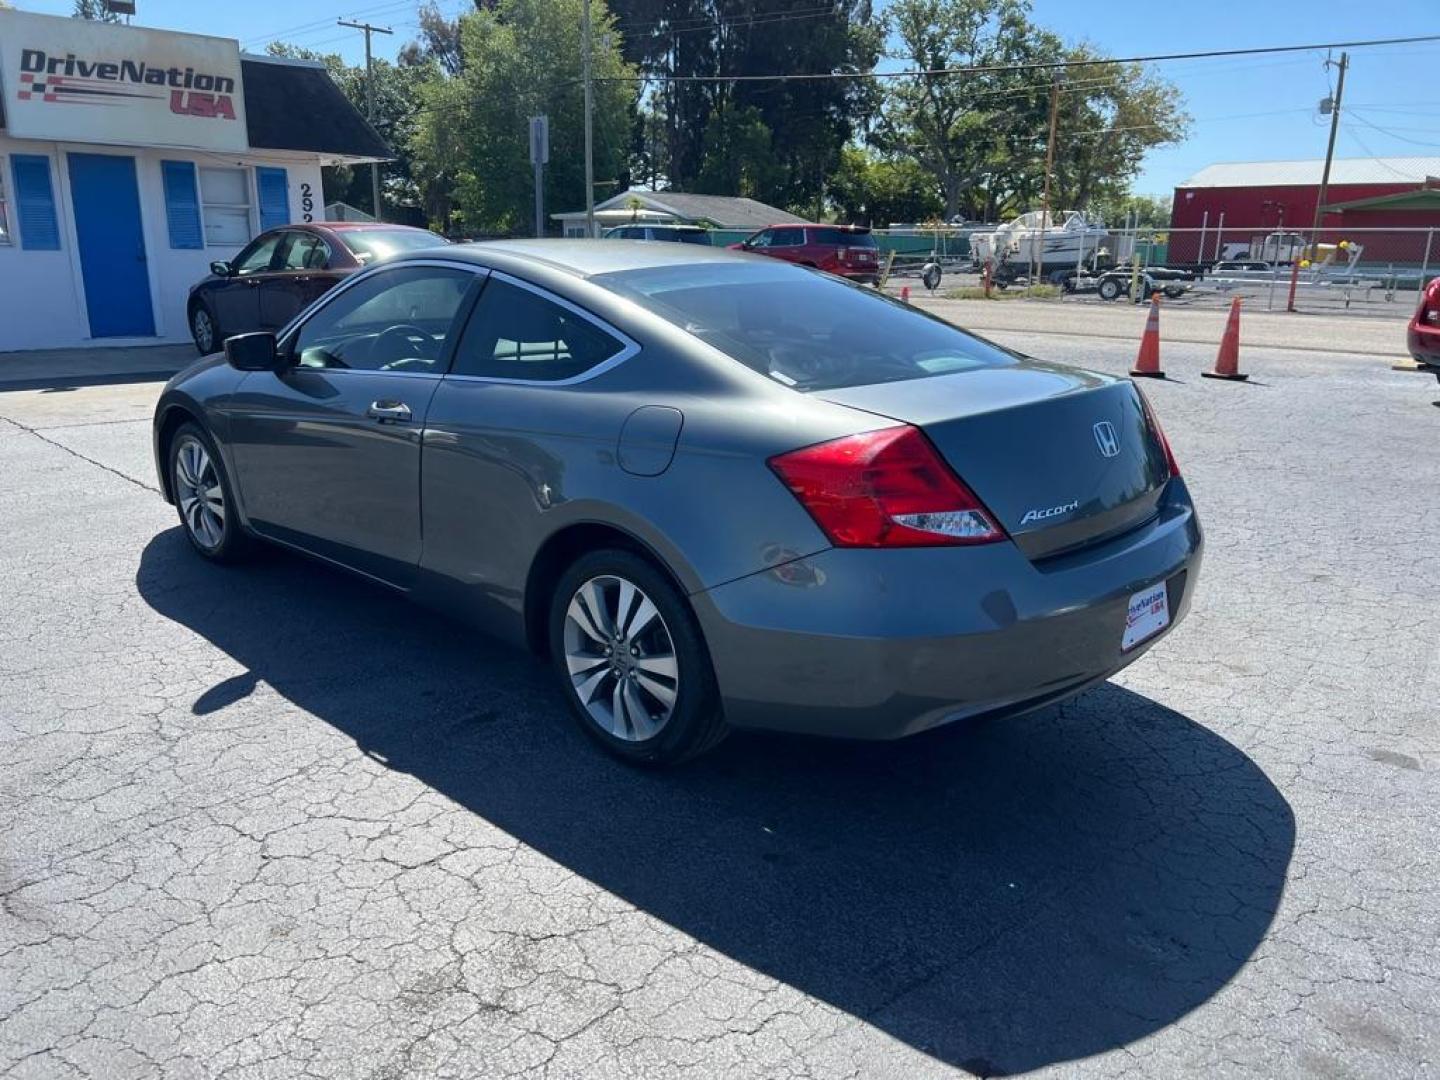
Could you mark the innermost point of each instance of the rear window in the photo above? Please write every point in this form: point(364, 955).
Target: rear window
point(804, 330)
point(842, 238)
point(692, 236)
point(371, 244)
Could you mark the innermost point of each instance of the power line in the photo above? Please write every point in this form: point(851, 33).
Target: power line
point(1389, 133)
point(1037, 65)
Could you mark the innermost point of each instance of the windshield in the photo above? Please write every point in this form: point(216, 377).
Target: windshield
point(805, 330)
point(842, 238)
point(371, 244)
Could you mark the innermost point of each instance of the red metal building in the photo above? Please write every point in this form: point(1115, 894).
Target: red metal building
point(1258, 197)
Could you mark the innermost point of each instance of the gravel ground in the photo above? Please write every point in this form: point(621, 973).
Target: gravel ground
point(270, 822)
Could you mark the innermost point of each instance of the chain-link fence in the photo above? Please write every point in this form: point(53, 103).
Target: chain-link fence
point(1368, 271)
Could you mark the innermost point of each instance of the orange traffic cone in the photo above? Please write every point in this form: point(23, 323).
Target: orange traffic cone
point(904, 294)
point(1227, 362)
point(1147, 363)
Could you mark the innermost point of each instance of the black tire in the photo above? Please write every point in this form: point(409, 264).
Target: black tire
point(202, 318)
point(931, 277)
point(1110, 289)
point(695, 723)
point(233, 543)
point(1174, 292)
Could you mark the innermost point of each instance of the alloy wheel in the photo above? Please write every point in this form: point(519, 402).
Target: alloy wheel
point(204, 330)
point(621, 658)
point(199, 493)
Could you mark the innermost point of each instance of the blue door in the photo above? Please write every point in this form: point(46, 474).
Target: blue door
point(112, 245)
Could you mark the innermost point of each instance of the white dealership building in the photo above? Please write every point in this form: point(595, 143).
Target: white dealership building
point(130, 159)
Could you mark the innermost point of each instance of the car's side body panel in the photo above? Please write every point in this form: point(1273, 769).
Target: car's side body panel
point(315, 471)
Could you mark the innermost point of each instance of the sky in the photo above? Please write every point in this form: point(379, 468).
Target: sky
point(1245, 109)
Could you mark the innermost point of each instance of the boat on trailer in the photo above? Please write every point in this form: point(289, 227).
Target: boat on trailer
point(1058, 241)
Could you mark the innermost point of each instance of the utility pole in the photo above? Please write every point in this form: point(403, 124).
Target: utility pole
point(589, 131)
point(1330, 149)
point(370, 98)
point(1038, 248)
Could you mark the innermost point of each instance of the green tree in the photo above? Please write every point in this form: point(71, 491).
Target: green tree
point(876, 191)
point(1153, 210)
point(397, 104)
point(1115, 114)
point(520, 59)
point(95, 11)
point(983, 132)
point(808, 120)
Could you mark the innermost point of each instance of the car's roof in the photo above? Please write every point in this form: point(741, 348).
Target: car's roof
point(346, 226)
point(584, 258)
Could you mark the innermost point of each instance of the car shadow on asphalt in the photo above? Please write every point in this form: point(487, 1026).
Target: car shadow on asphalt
point(1001, 896)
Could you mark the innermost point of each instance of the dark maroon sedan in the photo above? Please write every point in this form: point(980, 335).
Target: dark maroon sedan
point(283, 270)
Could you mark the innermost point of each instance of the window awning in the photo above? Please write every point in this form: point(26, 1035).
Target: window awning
point(295, 105)
point(1419, 199)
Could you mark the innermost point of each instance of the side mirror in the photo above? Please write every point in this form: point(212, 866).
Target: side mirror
point(253, 352)
point(221, 269)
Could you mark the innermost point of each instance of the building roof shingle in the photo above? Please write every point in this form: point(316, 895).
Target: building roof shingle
point(295, 105)
point(722, 211)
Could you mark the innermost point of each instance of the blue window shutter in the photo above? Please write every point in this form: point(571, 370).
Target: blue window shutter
point(274, 197)
point(35, 203)
point(182, 205)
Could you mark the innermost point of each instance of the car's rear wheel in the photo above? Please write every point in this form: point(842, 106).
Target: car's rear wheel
point(631, 660)
point(203, 496)
point(203, 329)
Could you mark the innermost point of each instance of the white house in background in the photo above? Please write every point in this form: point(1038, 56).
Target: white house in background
point(130, 159)
point(677, 207)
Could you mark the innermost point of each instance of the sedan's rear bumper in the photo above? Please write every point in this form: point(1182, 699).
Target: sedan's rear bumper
point(881, 644)
point(1424, 343)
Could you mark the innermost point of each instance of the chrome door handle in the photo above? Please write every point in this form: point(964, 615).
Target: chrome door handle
point(395, 411)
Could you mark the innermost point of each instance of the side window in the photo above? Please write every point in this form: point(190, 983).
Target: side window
point(788, 238)
point(517, 334)
point(306, 251)
point(256, 258)
point(761, 239)
point(397, 320)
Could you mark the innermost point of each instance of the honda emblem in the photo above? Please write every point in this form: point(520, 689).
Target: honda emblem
point(1106, 439)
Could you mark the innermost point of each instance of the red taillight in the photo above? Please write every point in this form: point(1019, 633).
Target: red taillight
point(886, 488)
point(1170, 461)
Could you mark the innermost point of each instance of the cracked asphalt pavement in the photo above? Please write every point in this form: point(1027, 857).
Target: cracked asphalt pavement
point(269, 821)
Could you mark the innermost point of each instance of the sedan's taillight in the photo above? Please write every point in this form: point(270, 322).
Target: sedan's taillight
point(886, 488)
point(1170, 462)
point(1429, 309)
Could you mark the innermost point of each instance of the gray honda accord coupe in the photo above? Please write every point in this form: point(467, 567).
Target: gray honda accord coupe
point(717, 490)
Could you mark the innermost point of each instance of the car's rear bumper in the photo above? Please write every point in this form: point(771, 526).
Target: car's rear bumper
point(864, 277)
point(1424, 342)
point(880, 644)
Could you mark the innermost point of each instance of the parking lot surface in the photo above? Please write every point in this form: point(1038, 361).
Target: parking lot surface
point(269, 821)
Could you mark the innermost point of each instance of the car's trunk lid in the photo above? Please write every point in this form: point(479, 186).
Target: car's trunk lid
point(1062, 457)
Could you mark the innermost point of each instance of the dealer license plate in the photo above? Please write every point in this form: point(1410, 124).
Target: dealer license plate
point(1148, 614)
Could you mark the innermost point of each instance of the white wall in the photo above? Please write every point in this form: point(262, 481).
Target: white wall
point(42, 295)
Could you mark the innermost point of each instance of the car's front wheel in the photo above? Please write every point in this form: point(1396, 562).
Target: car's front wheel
point(631, 661)
point(203, 496)
point(203, 329)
